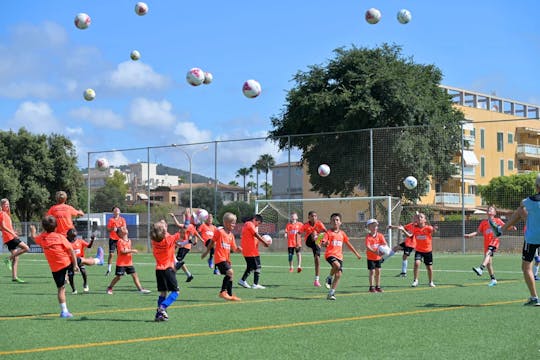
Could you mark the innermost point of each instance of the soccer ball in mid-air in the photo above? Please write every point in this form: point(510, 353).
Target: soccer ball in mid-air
point(201, 215)
point(195, 76)
point(102, 164)
point(141, 8)
point(135, 55)
point(82, 21)
point(267, 239)
point(251, 89)
point(208, 77)
point(373, 16)
point(384, 250)
point(410, 182)
point(404, 16)
point(323, 170)
point(89, 94)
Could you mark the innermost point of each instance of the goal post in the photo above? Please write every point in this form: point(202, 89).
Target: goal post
point(355, 211)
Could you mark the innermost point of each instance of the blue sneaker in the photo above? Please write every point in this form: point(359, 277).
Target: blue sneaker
point(66, 315)
point(211, 263)
point(495, 227)
point(100, 255)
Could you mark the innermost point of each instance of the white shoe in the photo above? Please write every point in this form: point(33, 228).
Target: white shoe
point(478, 271)
point(244, 284)
point(431, 284)
point(415, 283)
point(257, 286)
point(144, 291)
point(492, 283)
point(86, 289)
point(74, 292)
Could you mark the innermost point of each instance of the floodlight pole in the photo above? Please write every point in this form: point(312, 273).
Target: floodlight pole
point(189, 157)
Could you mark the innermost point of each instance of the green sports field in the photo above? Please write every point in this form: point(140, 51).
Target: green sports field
point(462, 318)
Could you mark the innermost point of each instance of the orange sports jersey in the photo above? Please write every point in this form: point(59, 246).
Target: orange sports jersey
point(64, 214)
point(223, 244)
point(124, 259)
point(190, 231)
point(115, 223)
point(207, 231)
point(248, 241)
point(57, 249)
point(334, 243)
point(307, 228)
point(410, 241)
point(164, 251)
point(374, 241)
point(78, 246)
point(489, 237)
point(424, 240)
point(292, 231)
point(5, 217)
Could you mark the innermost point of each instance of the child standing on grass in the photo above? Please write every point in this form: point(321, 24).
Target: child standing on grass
point(79, 245)
point(333, 240)
point(222, 243)
point(124, 262)
point(374, 239)
point(294, 241)
point(407, 245)
point(15, 246)
point(311, 230)
point(60, 256)
point(423, 234)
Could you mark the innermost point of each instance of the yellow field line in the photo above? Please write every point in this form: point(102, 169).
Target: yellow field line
point(242, 330)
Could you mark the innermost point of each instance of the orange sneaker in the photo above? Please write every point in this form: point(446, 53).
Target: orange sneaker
point(225, 296)
point(235, 298)
point(291, 270)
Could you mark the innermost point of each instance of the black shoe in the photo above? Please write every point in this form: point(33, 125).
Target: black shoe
point(189, 278)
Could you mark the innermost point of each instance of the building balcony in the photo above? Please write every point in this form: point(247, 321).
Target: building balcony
point(528, 151)
point(454, 199)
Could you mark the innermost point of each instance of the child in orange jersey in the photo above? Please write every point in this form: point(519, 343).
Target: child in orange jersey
point(60, 256)
point(311, 230)
point(223, 242)
point(249, 240)
point(374, 239)
point(124, 262)
point(333, 240)
point(207, 231)
point(423, 233)
point(63, 213)
point(407, 245)
point(294, 241)
point(114, 223)
point(15, 246)
point(192, 236)
point(78, 246)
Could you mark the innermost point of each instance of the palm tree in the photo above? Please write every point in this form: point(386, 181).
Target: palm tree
point(257, 167)
point(243, 173)
point(266, 162)
point(234, 183)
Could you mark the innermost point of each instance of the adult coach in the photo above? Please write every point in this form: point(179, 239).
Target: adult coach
point(529, 210)
point(115, 222)
point(63, 213)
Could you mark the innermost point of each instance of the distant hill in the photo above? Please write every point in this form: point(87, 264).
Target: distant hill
point(167, 170)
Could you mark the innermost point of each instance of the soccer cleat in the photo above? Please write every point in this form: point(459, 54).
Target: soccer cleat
point(244, 284)
point(100, 255)
point(372, 289)
point(7, 261)
point(532, 302)
point(161, 315)
point(18, 280)
point(414, 283)
point(291, 269)
point(66, 315)
point(493, 282)
point(109, 291)
point(235, 298)
point(223, 294)
point(317, 283)
point(328, 282)
point(108, 273)
point(495, 227)
point(86, 289)
point(74, 292)
point(431, 284)
point(299, 270)
point(258, 286)
point(189, 278)
point(379, 290)
point(536, 278)
point(216, 272)
point(144, 291)
point(331, 297)
point(478, 271)
point(403, 275)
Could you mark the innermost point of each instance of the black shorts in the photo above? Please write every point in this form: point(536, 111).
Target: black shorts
point(492, 250)
point(310, 243)
point(528, 251)
point(223, 267)
point(252, 262)
point(407, 250)
point(79, 264)
point(60, 276)
point(122, 270)
point(166, 280)
point(291, 250)
point(181, 254)
point(374, 264)
point(112, 245)
point(13, 244)
point(207, 242)
point(427, 257)
point(333, 259)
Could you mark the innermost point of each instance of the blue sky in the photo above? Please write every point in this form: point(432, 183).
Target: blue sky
point(47, 63)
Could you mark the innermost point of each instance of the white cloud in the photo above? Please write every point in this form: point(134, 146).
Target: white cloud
point(135, 74)
point(151, 113)
point(36, 117)
point(25, 89)
point(102, 118)
point(189, 133)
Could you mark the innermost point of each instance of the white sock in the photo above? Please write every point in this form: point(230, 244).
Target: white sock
point(96, 261)
point(404, 266)
point(535, 270)
point(63, 307)
point(109, 267)
point(316, 278)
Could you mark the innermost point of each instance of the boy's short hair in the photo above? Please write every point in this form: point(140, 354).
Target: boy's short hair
point(158, 231)
point(71, 234)
point(48, 223)
point(258, 217)
point(228, 216)
point(334, 215)
point(61, 196)
point(311, 212)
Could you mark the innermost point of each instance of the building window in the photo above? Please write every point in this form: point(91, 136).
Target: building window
point(501, 166)
point(500, 142)
point(360, 216)
point(510, 138)
point(510, 165)
point(482, 138)
point(472, 189)
point(482, 166)
point(438, 188)
point(473, 133)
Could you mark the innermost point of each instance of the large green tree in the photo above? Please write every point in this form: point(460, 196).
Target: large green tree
point(203, 197)
point(365, 88)
point(507, 191)
point(33, 168)
point(112, 194)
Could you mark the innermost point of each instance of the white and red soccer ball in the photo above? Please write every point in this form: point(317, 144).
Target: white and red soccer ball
point(404, 16)
point(89, 94)
point(102, 164)
point(201, 216)
point(373, 16)
point(82, 21)
point(251, 88)
point(195, 76)
point(208, 78)
point(384, 250)
point(135, 55)
point(323, 170)
point(141, 8)
point(267, 239)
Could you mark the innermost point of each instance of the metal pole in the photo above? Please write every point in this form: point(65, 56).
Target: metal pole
point(289, 173)
point(371, 209)
point(148, 245)
point(88, 199)
point(462, 191)
point(215, 179)
point(190, 186)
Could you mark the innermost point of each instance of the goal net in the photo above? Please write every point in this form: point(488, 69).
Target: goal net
point(355, 211)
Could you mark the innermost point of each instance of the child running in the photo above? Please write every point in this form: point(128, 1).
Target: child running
point(333, 240)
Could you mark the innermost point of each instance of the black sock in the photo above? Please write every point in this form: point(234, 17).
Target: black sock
point(482, 267)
